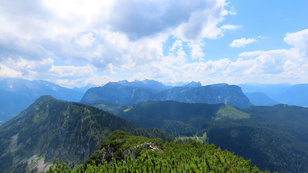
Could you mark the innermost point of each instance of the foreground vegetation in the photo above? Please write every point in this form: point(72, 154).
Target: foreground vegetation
point(123, 152)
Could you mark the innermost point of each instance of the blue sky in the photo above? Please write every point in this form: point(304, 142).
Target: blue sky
point(79, 42)
point(270, 19)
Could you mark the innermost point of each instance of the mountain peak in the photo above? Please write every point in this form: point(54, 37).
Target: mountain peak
point(45, 99)
point(193, 84)
point(219, 85)
point(50, 125)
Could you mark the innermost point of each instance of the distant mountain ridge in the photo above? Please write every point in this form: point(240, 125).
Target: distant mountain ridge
point(17, 94)
point(124, 92)
point(193, 84)
point(50, 129)
point(260, 99)
point(146, 84)
point(295, 95)
point(281, 93)
point(212, 94)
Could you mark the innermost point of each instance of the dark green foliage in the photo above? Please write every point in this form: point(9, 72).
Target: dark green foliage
point(57, 129)
point(115, 109)
point(178, 119)
point(273, 138)
point(191, 156)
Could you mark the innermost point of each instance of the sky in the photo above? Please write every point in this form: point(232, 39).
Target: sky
point(75, 43)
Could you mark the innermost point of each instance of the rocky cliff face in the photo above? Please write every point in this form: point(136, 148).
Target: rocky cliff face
point(212, 94)
point(116, 93)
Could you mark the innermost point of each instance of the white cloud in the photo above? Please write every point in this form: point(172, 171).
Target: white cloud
point(97, 41)
point(272, 66)
point(86, 40)
point(230, 27)
point(299, 40)
point(6, 72)
point(242, 42)
point(104, 33)
point(196, 50)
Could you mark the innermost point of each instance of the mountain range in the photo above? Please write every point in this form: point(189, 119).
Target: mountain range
point(50, 129)
point(269, 94)
point(273, 137)
point(260, 99)
point(17, 94)
point(131, 93)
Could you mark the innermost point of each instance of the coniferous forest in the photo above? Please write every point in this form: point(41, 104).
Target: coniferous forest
point(123, 152)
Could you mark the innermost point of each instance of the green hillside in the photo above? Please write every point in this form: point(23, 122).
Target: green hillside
point(128, 153)
point(231, 113)
point(178, 119)
point(272, 137)
point(51, 129)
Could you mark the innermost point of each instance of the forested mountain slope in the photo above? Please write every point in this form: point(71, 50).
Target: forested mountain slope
point(50, 129)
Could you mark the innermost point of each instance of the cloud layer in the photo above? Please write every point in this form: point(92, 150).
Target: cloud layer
point(76, 42)
point(104, 36)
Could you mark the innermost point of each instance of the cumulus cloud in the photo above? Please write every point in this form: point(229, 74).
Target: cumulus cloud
point(143, 18)
point(123, 34)
point(196, 50)
point(6, 72)
point(272, 66)
point(299, 40)
point(242, 42)
point(86, 40)
point(76, 42)
point(230, 27)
